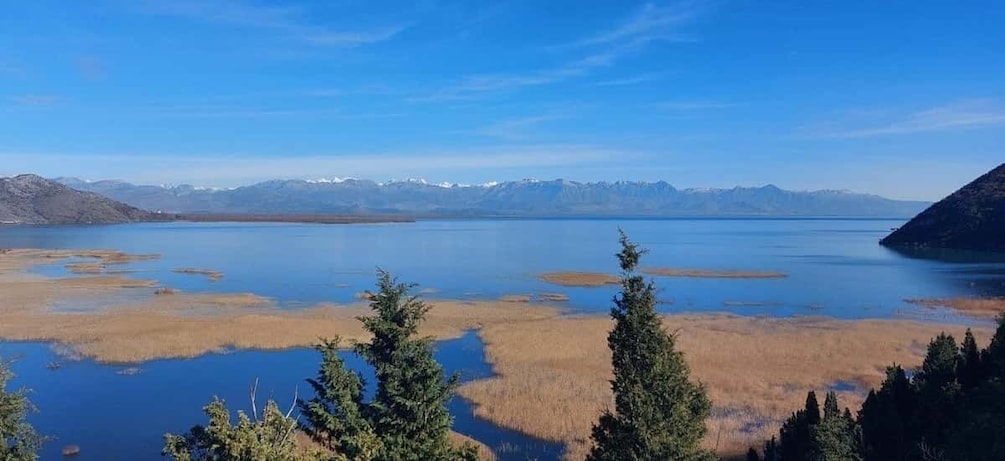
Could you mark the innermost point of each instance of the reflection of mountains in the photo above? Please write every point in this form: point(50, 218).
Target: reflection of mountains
point(980, 274)
point(949, 256)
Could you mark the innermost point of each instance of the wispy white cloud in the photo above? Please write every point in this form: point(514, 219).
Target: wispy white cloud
point(213, 111)
point(632, 80)
point(960, 115)
point(233, 170)
point(650, 22)
point(604, 49)
point(289, 21)
point(477, 86)
point(36, 100)
point(514, 128)
point(689, 106)
point(8, 68)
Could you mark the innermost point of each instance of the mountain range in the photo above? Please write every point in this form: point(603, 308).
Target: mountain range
point(526, 198)
point(30, 199)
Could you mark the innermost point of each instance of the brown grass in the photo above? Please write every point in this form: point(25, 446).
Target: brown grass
point(553, 374)
point(136, 325)
point(85, 268)
point(579, 279)
point(553, 297)
point(210, 274)
point(713, 274)
point(105, 256)
point(516, 298)
point(978, 307)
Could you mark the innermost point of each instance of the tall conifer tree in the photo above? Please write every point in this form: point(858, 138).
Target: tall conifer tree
point(659, 413)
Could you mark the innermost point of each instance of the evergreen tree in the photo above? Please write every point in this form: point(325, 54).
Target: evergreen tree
point(938, 390)
point(795, 436)
point(334, 416)
point(408, 418)
point(659, 414)
point(20, 441)
point(971, 368)
point(834, 439)
point(272, 438)
point(977, 431)
point(752, 455)
point(995, 353)
point(771, 450)
point(886, 417)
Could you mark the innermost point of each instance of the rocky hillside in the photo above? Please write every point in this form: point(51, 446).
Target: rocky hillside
point(972, 218)
point(30, 199)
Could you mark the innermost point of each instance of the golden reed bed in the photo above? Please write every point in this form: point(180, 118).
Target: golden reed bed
point(553, 373)
point(552, 370)
point(143, 326)
point(597, 279)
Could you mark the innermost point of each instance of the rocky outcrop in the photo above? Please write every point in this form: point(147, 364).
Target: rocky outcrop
point(31, 199)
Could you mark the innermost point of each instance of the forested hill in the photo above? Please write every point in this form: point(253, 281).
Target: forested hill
point(972, 218)
point(30, 199)
point(516, 198)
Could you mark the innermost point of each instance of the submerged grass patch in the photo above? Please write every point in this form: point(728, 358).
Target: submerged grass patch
point(979, 307)
point(210, 274)
point(579, 279)
point(553, 375)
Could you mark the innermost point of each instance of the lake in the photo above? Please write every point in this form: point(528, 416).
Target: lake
point(835, 266)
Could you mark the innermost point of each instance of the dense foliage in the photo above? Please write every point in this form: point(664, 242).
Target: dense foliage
point(271, 438)
point(407, 418)
point(659, 413)
point(20, 441)
point(952, 408)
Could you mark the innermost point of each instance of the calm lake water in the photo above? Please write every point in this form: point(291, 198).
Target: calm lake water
point(836, 268)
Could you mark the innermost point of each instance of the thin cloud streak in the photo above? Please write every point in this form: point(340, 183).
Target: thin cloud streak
point(515, 128)
point(287, 21)
point(688, 106)
point(649, 23)
point(634, 80)
point(224, 112)
point(962, 115)
point(36, 100)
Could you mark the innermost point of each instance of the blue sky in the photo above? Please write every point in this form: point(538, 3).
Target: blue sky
point(904, 99)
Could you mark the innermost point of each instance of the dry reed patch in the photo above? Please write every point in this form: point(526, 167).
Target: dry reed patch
point(978, 307)
point(515, 298)
point(210, 274)
point(579, 279)
point(713, 274)
point(85, 268)
point(553, 297)
point(104, 256)
point(552, 375)
point(187, 325)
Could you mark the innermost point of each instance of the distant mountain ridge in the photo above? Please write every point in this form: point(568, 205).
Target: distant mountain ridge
point(31, 199)
point(526, 198)
point(972, 218)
